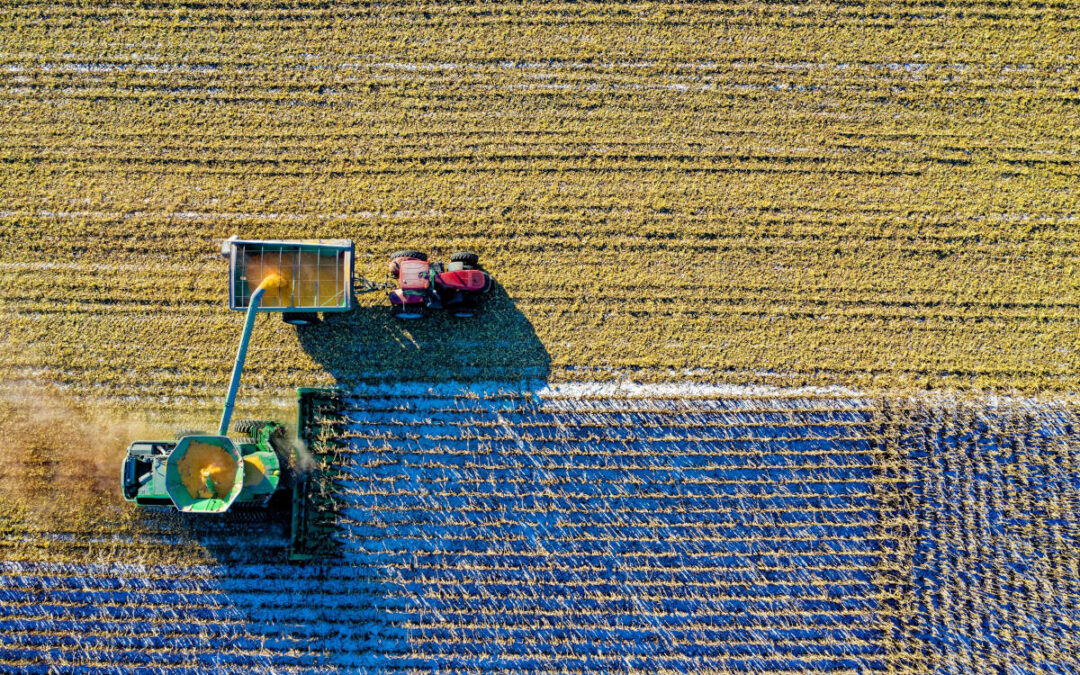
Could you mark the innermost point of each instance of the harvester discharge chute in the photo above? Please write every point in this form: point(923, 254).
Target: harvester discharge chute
point(212, 473)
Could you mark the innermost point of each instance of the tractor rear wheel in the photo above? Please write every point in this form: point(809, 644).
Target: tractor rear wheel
point(300, 318)
point(470, 259)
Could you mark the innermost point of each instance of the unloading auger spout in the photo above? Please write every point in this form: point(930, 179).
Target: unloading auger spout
point(271, 282)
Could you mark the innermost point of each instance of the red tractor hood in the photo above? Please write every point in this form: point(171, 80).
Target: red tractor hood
point(413, 275)
point(464, 280)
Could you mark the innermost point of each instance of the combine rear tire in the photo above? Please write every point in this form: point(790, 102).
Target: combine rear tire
point(251, 427)
point(300, 318)
point(470, 259)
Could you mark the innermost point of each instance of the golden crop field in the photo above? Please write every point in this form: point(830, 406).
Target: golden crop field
point(877, 195)
point(735, 244)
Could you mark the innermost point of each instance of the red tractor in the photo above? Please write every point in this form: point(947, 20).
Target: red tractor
point(455, 287)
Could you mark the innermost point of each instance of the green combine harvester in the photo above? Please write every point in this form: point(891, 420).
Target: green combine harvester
point(215, 473)
point(203, 473)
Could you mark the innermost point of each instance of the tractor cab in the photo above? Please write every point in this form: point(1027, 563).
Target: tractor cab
point(455, 286)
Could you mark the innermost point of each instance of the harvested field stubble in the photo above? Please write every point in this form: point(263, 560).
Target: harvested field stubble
point(787, 193)
point(592, 528)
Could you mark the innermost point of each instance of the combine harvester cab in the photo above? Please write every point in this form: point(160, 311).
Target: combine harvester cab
point(203, 473)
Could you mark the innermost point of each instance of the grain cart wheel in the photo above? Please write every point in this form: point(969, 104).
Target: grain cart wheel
point(407, 312)
point(300, 318)
point(471, 260)
point(416, 255)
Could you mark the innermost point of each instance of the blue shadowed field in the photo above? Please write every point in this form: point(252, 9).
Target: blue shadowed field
point(581, 528)
point(620, 534)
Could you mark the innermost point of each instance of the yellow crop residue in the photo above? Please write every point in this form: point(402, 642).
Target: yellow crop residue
point(307, 279)
point(207, 470)
point(866, 197)
point(254, 470)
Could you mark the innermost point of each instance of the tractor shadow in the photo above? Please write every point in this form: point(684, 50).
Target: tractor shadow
point(369, 345)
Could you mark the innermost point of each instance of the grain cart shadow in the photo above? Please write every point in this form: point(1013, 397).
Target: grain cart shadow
point(370, 345)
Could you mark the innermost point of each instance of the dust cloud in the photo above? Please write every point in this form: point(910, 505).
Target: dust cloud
point(59, 463)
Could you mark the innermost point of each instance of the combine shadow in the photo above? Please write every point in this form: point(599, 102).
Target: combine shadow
point(337, 607)
point(369, 345)
point(264, 530)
